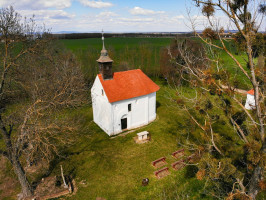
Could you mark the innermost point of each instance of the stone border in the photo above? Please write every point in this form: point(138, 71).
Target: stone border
point(162, 159)
point(164, 172)
point(178, 165)
point(178, 154)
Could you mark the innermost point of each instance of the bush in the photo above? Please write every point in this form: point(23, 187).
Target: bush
point(210, 34)
point(191, 171)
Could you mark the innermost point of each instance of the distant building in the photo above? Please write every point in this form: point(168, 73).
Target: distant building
point(122, 100)
point(250, 102)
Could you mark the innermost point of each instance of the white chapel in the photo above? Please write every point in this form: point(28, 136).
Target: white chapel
point(250, 101)
point(122, 100)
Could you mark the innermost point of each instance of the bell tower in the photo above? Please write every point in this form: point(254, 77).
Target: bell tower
point(105, 63)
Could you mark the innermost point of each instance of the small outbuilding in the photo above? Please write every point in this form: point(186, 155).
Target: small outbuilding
point(250, 101)
point(122, 100)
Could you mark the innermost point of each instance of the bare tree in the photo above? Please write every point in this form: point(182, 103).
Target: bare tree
point(180, 53)
point(40, 80)
point(245, 16)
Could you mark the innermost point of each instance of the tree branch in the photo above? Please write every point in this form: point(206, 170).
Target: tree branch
point(239, 129)
point(4, 153)
point(195, 120)
point(212, 138)
point(213, 143)
point(248, 114)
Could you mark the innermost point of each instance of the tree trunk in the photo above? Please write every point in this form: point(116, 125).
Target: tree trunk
point(25, 185)
point(257, 176)
point(254, 182)
point(13, 158)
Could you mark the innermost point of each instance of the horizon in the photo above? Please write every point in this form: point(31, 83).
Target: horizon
point(151, 32)
point(119, 16)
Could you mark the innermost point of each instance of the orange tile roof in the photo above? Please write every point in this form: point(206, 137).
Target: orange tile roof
point(250, 92)
point(127, 85)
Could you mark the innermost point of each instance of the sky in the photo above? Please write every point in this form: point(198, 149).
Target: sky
point(112, 15)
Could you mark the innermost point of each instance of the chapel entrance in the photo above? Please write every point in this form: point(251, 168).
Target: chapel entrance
point(124, 123)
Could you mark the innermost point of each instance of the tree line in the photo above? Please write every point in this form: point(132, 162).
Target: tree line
point(108, 35)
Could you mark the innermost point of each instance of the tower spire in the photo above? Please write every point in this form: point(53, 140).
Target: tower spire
point(105, 63)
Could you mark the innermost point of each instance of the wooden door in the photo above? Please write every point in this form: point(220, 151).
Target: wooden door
point(124, 123)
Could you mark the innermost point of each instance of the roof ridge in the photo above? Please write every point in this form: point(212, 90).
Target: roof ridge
point(128, 84)
point(127, 71)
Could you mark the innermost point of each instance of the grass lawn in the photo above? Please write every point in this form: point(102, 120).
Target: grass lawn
point(113, 168)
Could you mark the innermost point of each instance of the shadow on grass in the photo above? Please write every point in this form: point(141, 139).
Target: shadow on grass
point(191, 171)
point(158, 104)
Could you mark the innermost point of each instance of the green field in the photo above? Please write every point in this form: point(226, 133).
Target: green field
point(113, 168)
point(127, 53)
point(118, 44)
point(145, 54)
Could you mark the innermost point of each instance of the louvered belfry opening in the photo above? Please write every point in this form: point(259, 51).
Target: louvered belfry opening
point(105, 69)
point(105, 63)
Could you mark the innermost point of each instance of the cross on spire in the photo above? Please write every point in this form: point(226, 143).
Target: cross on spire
point(103, 39)
point(104, 54)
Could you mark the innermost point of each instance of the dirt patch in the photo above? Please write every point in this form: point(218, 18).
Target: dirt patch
point(51, 187)
point(141, 141)
point(41, 166)
point(123, 134)
point(2, 166)
point(8, 185)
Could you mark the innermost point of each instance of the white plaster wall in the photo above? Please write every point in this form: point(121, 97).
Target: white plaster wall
point(108, 115)
point(102, 109)
point(152, 106)
point(143, 111)
point(139, 111)
point(250, 102)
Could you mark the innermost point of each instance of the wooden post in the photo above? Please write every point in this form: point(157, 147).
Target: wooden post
point(62, 174)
